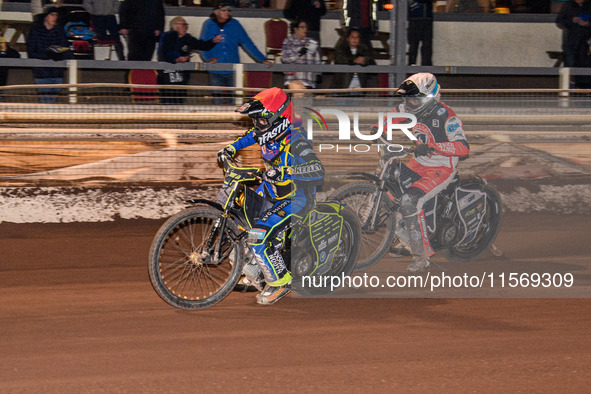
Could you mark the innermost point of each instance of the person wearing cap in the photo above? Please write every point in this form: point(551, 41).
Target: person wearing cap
point(175, 47)
point(48, 41)
point(233, 35)
point(142, 22)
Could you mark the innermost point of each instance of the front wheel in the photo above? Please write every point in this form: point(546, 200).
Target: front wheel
point(486, 235)
point(183, 271)
point(377, 231)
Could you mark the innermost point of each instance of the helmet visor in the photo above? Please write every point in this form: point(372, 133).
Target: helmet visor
point(261, 123)
point(412, 103)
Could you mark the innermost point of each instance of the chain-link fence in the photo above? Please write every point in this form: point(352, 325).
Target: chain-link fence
point(106, 136)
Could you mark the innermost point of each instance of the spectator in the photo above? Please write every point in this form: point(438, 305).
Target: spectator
point(298, 48)
point(233, 34)
point(6, 52)
point(573, 19)
point(175, 47)
point(48, 41)
point(355, 53)
point(308, 10)
point(142, 22)
point(420, 31)
point(103, 20)
point(361, 14)
point(38, 9)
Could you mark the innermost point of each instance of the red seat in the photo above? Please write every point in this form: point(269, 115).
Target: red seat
point(143, 77)
point(256, 79)
point(275, 34)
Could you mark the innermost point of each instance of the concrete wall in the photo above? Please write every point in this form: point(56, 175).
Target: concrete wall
point(495, 44)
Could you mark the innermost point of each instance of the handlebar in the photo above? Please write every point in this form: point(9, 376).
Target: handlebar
point(240, 174)
point(406, 150)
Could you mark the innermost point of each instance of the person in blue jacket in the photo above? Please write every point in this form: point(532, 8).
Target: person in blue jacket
point(221, 22)
point(293, 172)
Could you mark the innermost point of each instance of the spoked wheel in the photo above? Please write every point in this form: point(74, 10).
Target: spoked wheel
point(343, 262)
point(486, 235)
point(182, 271)
point(376, 236)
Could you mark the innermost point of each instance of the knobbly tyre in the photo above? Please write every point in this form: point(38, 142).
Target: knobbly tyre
point(463, 220)
point(198, 255)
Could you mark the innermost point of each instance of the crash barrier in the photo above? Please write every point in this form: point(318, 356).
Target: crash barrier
point(90, 144)
point(124, 105)
point(94, 71)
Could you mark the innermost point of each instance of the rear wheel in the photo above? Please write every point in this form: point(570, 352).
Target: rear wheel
point(343, 261)
point(486, 235)
point(182, 271)
point(376, 238)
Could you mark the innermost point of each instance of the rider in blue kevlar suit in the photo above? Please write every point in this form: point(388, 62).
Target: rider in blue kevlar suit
point(293, 172)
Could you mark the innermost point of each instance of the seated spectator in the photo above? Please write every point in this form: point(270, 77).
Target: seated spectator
point(355, 53)
point(175, 47)
point(310, 10)
point(103, 20)
point(48, 41)
point(298, 48)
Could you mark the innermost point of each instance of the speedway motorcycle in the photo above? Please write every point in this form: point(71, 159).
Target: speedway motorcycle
point(462, 221)
point(199, 255)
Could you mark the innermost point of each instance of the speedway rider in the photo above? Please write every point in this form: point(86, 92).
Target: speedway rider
point(440, 144)
point(292, 173)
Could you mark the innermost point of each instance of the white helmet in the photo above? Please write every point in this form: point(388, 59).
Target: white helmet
point(423, 88)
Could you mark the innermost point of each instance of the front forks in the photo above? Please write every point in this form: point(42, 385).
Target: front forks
point(212, 245)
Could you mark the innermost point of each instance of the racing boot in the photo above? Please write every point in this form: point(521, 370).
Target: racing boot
point(277, 277)
point(398, 251)
point(271, 294)
point(402, 246)
point(418, 264)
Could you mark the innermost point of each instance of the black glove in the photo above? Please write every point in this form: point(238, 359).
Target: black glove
point(423, 150)
point(56, 52)
point(273, 175)
point(303, 51)
point(228, 152)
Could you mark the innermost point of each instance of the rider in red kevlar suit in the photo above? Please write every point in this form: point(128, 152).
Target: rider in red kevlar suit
point(440, 144)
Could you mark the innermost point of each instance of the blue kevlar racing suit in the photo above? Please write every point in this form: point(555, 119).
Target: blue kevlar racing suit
point(294, 157)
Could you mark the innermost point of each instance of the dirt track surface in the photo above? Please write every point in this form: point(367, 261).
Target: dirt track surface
point(78, 314)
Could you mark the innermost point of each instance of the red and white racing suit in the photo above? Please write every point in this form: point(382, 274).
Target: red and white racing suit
point(424, 177)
